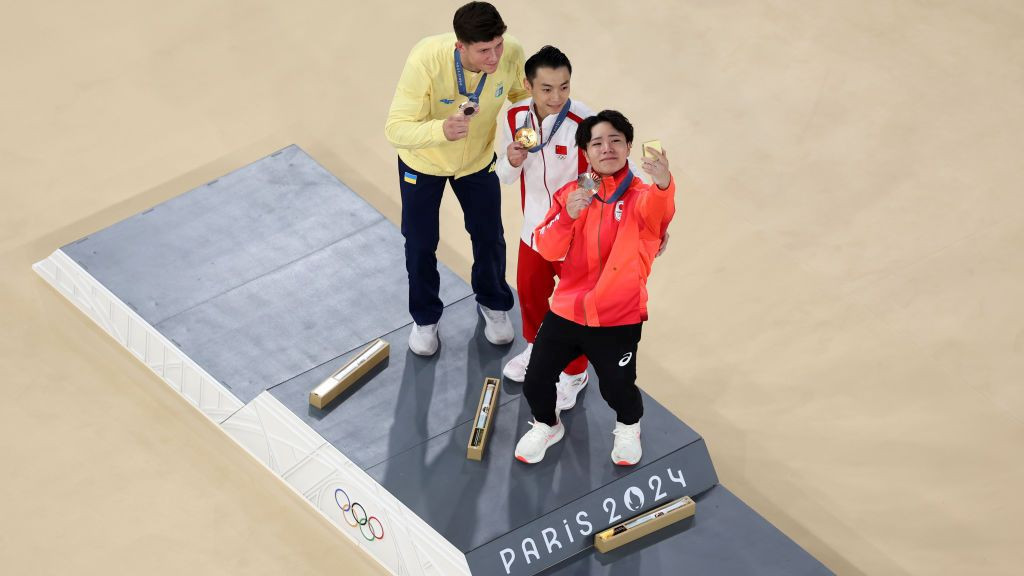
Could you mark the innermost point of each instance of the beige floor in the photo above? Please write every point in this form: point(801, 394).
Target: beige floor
point(836, 312)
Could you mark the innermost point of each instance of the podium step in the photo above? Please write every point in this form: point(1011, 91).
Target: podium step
point(245, 293)
point(408, 427)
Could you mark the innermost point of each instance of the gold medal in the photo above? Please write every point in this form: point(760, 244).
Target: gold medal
point(527, 137)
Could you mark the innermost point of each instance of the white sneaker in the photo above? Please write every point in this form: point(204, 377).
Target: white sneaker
point(569, 388)
point(626, 450)
point(515, 369)
point(423, 339)
point(535, 443)
point(497, 327)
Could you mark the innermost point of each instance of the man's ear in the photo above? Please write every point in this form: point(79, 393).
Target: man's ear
point(527, 84)
point(460, 47)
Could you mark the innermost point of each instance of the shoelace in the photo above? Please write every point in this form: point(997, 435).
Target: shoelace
point(572, 384)
point(492, 315)
point(626, 432)
point(534, 428)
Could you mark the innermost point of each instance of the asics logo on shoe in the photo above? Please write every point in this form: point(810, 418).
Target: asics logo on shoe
point(625, 359)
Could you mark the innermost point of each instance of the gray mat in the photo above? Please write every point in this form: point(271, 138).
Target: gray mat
point(412, 399)
point(408, 426)
point(262, 274)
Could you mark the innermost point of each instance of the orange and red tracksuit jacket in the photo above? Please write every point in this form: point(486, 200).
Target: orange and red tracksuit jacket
point(607, 251)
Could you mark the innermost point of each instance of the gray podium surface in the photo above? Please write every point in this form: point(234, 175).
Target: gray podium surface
point(409, 424)
point(410, 400)
point(725, 537)
point(273, 276)
point(256, 275)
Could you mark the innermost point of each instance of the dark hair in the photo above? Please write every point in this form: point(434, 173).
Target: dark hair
point(478, 22)
point(546, 57)
point(613, 117)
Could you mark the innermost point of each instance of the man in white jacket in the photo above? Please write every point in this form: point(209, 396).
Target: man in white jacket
point(549, 159)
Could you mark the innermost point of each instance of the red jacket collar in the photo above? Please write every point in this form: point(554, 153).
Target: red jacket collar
point(608, 185)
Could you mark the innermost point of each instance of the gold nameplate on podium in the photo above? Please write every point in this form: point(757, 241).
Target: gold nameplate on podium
point(482, 421)
point(644, 524)
point(348, 374)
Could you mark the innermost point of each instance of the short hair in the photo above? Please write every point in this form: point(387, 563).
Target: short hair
point(613, 117)
point(478, 22)
point(546, 57)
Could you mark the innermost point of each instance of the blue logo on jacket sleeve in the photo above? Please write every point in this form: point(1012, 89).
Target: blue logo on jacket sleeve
point(447, 101)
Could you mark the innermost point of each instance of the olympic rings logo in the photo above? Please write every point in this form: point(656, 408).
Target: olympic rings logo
point(364, 523)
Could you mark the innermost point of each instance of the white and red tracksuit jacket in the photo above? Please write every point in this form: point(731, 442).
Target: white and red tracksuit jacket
point(545, 171)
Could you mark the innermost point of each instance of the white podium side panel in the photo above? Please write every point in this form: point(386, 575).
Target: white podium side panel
point(365, 512)
point(140, 338)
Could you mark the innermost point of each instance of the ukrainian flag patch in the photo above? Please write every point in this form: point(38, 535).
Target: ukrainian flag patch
point(409, 178)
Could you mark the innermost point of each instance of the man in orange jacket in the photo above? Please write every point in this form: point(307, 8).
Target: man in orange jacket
point(608, 238)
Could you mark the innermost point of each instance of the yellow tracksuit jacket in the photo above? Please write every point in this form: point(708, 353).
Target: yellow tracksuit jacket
point(428, 93)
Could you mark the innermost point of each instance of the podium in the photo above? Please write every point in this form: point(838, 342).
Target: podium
point(245, 293)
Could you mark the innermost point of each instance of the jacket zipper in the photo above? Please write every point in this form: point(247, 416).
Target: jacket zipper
point(600, 263)
point(544, 161)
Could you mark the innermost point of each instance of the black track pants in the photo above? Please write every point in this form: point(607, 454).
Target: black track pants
point(612, 353)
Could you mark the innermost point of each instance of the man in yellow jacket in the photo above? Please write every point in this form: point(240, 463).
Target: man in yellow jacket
point(442, 121)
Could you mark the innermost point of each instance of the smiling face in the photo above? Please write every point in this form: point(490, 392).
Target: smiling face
point(607, 150)
point(482, 56)
point(550, 90)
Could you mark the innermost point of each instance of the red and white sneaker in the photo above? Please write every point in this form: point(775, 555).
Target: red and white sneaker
point(626, 450)
point(569, 388)
point(535, 443)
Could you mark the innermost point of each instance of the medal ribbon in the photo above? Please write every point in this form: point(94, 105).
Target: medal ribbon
point(460, 77)
point(558, 124)
point(620, 189)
